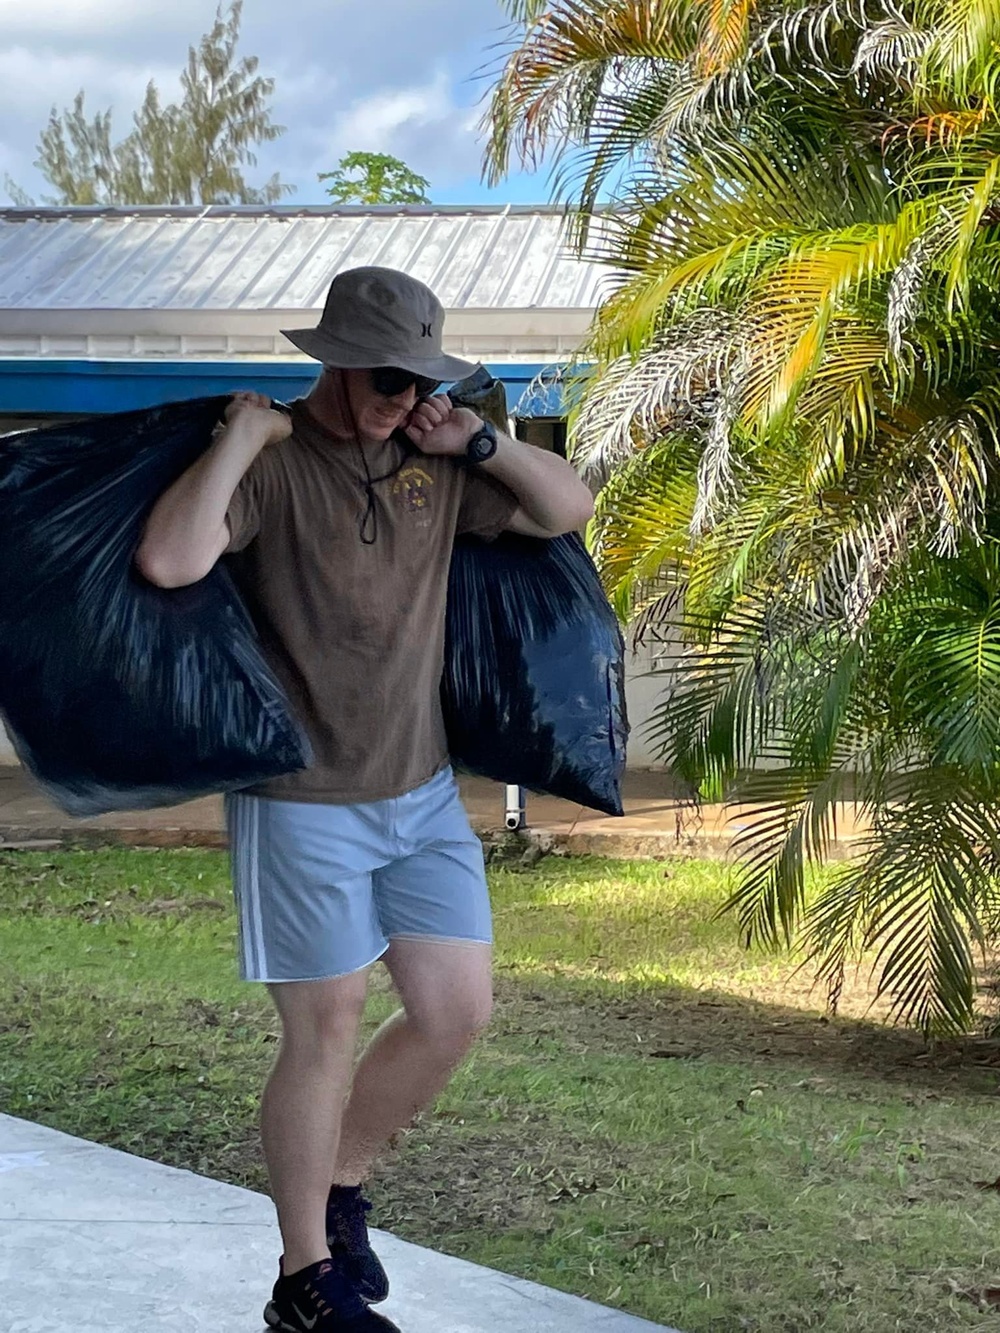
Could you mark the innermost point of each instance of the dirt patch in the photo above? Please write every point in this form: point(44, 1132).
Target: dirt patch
point(443, 1180)
point(684, 1024)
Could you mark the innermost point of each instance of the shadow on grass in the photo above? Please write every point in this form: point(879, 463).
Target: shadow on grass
point(681, 1023)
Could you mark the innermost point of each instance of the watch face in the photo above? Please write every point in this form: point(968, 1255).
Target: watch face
point(483, 444)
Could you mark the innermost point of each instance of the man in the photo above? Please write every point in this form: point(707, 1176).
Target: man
point(339, 523)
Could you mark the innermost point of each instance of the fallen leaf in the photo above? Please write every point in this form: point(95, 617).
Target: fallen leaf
point(987, 1298)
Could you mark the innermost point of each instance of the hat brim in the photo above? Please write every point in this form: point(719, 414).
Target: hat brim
point(321, 346)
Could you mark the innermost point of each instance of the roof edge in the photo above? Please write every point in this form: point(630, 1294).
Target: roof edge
point(19, 214)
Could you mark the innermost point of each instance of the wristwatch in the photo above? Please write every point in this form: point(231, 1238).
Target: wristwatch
point(482, 446)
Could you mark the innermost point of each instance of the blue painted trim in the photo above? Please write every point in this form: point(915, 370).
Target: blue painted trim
point(41, 387)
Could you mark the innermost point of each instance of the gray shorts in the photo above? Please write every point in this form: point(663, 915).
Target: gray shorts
point(321, 890)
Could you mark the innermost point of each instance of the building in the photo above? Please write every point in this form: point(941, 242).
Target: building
point(107, 309)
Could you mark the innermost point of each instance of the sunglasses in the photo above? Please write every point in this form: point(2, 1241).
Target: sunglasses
point(390, 381)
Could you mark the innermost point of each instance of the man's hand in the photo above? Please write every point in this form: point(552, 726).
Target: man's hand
point(436, 426)
point(551, 497)
point(252, 414)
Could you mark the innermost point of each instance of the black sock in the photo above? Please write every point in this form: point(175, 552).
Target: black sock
point(341, 1194)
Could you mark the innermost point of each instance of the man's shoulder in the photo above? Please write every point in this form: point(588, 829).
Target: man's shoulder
point(286, 459)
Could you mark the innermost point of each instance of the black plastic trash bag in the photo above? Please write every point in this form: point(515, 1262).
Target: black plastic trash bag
point(117, 694)
point(120, 695)
point(534, 686)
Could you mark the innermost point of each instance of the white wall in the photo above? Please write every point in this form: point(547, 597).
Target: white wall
point(641, 694)
point(7, 755)
point(645, 687)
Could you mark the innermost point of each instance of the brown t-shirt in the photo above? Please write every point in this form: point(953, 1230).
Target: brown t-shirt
point(354, 628)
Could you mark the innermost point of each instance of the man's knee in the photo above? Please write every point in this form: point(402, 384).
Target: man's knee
point(320, 1018)
point(452, 1023)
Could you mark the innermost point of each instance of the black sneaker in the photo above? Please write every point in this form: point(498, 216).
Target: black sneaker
point(347, 1237)
point(319, 1299)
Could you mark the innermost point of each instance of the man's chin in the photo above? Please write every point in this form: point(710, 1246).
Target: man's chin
point(380, 431)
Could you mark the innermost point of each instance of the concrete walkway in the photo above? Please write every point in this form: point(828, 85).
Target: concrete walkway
point(657, 821)
point(98, 1241)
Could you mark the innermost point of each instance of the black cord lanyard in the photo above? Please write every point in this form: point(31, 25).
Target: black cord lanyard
point(369, 520)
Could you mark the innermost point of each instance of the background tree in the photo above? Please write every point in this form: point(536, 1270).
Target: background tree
point(375, 178)
point(796, 410)
point(193, 151)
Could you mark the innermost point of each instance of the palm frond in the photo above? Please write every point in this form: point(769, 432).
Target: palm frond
point(806, 39)
point(798, 297)
point(890, 52)
point(558, 73)
point(673, 384)
point(981, 197)
point(524, 11)
point(965, 35)
point(717, 466)
point(696, 101)
point(791, 821)
point(725, 35)
point(905, 292)
point(639, 534)
point(917, 895)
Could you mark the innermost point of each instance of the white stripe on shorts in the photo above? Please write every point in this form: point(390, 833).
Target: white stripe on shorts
point(246, 833)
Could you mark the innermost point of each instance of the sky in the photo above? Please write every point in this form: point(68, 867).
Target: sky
point(405, 77)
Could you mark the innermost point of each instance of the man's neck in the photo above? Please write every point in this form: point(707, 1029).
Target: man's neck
point(329, 408)
point(327, 405)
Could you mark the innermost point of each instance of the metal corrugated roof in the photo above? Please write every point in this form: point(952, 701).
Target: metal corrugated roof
point(282, 258)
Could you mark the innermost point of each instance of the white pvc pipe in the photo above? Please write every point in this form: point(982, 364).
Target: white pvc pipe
point(515, 808)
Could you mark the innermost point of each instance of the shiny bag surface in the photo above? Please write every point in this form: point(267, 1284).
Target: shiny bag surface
point(117, 694)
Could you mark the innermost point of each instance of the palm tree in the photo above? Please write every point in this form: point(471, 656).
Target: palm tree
point(795, 407)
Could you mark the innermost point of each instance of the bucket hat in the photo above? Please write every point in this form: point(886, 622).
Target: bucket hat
point(380, 317)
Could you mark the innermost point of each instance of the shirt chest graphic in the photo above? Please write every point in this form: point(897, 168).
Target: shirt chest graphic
point(412, 494)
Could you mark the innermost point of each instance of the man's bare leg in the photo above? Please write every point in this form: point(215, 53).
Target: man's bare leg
point(446, 991)
point(303, 1104)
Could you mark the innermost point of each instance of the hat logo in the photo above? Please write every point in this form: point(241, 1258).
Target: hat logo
point(426, 330)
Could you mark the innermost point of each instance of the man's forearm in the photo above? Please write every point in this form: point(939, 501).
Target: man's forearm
point(186, 530)
point(547, 487)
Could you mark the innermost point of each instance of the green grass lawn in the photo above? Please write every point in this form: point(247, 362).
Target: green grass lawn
point(657, 1119)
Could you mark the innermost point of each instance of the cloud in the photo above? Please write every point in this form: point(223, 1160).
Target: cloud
point(373, 122)
point(423, 124)
point(381, 76)
point(33, 80)
point(95, 21)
